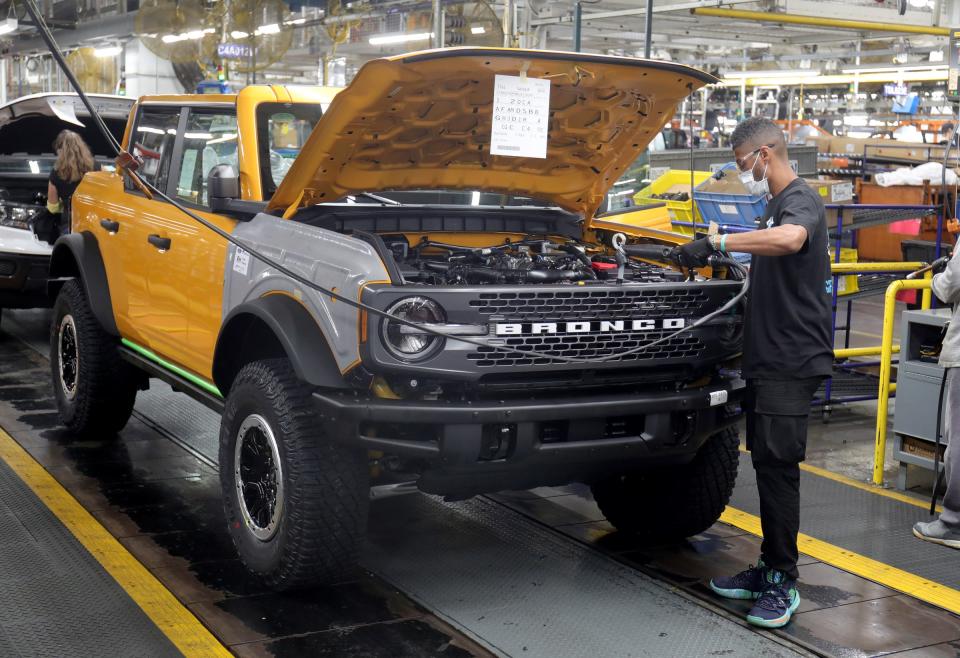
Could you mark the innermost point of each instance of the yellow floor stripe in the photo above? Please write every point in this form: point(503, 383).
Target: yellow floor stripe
point(862, 486)
point(868, 487)
point(176, 622)
point(860, 565)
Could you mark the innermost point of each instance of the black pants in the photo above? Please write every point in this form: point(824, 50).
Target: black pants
point(777, 412)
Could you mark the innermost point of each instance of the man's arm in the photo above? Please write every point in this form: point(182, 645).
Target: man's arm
point(946, 285)
point(777, 241)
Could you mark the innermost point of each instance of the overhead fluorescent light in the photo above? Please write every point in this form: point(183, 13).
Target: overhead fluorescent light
point(896, 69)
point(109, 51)
point(34, 166)
point(149, 129)
point(477, 29)
point(226, 137)
point(384, 39)
point(271, 28)
point(475, 199)
point(787, 73)
point(204, 136)
point(8, 25)
point(173, 38)
point(237, 34)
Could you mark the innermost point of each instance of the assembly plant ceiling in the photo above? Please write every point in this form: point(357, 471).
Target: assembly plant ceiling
point(299, 42)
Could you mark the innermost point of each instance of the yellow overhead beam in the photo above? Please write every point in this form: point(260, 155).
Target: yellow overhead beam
point(820, 21)
point(826, 80)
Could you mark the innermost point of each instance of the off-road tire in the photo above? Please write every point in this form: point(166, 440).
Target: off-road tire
point(104, 386)
point(325, 486)
point(673, 503)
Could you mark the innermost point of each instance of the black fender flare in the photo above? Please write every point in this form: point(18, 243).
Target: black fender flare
point(295, 330)
point(77, 256)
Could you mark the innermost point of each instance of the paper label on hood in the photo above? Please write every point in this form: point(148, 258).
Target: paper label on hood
point(521, 114)
point(64, 109)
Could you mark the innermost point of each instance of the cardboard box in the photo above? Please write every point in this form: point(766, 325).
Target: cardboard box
point(822, 142)
point(833, 191)
point(885, 149)
point(836, 192)
point(728, 184)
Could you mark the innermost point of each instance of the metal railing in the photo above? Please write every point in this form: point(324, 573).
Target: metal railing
point(886, 366)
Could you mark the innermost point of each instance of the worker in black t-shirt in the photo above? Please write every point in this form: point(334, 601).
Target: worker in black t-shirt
point(787, 353)
point(74, 159)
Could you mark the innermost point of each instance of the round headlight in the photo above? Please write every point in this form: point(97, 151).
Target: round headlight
point(408, 343)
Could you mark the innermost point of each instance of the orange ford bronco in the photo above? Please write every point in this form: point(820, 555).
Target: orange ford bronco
point(500, 342)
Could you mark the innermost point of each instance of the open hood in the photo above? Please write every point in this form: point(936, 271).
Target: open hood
point(424, 121)
point(29, 125)
point(65, 106)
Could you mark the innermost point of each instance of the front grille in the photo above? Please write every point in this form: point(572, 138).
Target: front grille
point(647, 302)
point(7, 267)
point(589, 346)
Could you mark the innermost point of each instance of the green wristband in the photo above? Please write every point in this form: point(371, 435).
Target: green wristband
point(723, 243)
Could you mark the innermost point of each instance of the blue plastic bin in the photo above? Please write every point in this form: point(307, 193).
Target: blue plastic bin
point(740, 209)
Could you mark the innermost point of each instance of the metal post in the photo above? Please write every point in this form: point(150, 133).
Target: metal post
point(648, 30)
point(437, 24)
point(508, 9)
point(577, 25)
point(883, 396)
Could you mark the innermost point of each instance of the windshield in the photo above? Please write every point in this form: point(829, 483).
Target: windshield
point(282, 130)
point(444, 198)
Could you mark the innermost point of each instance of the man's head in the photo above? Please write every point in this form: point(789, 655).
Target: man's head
point(758, 146)
point(675, 124)
point(946, 130)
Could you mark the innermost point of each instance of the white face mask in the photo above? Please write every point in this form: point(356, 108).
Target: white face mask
point(755, 187)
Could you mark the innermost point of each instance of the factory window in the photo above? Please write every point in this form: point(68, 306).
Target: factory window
point(210, 139)
point(153, 139)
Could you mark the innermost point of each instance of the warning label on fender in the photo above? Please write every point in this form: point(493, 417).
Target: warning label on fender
point(521, 114)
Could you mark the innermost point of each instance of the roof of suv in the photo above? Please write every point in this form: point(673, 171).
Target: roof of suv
point(256, 93)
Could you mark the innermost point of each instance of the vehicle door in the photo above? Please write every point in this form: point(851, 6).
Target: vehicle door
point(173, 265)
point(197, 256)
point(123, 228)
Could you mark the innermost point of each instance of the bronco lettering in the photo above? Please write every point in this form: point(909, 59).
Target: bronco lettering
point(599, 326)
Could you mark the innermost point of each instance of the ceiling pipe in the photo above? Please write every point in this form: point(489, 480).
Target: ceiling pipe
point(577, 25)
point(817, 21)
point(648, 33)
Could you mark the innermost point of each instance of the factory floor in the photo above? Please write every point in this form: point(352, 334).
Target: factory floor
point(117, 549)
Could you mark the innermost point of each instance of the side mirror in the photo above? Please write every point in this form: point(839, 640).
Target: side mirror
point(223, 186)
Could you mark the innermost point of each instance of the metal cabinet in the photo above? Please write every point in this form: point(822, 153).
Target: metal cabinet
point(918, 392)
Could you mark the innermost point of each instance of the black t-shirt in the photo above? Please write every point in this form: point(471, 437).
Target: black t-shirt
point(65, 188)
point(788, 321)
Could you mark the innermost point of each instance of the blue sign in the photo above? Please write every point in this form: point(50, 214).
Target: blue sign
point(234, 50)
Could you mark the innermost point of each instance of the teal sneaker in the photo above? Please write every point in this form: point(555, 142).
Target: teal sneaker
point(746, 585)
point(777, 603)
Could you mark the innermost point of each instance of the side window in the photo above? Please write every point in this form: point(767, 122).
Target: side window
point(282, 130)
point(153, 139)
point(209, 140)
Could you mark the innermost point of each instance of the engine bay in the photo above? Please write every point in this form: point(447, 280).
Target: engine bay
point(532, 260)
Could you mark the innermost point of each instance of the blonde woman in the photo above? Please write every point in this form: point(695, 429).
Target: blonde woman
point(74, 159)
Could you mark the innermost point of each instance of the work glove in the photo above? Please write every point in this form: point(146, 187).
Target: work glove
point(940, 264)
point(695, 254)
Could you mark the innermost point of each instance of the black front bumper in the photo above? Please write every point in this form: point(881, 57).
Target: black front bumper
point(23, 280)
point(469, 448)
